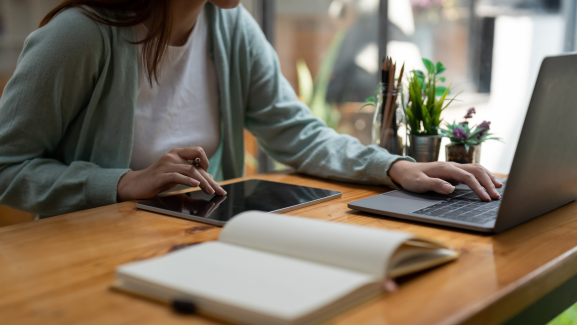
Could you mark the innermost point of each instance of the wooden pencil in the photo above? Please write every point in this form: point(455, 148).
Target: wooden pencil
point(388, 111)
point(393, 123)
point(384, 80)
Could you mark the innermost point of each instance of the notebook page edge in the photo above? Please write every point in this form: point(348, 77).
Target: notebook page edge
point(359, 248)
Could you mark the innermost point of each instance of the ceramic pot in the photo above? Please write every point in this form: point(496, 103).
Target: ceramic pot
point(458, 154)
point(425, 148)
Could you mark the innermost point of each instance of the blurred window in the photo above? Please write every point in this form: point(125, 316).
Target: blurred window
point(329, 52)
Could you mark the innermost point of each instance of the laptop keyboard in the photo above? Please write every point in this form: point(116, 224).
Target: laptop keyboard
point(464, 205)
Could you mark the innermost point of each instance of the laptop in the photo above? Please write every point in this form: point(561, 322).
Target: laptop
point(543, 175)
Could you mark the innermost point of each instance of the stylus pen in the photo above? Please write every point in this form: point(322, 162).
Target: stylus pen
point(183, 306)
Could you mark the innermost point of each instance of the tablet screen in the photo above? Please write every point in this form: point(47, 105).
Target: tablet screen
point(242, 196)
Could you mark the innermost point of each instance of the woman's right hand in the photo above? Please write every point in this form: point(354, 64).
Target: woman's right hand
point(171, 170)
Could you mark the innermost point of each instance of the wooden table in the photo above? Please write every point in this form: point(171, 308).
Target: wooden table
point(58, 270)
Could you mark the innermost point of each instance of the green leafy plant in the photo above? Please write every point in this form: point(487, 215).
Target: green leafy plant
point(568, 317)
point(373, 100)
point(426, 100)
point(463, 134)
point(314, 93)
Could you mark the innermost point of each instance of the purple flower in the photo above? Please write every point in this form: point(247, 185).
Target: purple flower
point(470, 113)
point(459, 134)
point(486, 125)
point(464, 123)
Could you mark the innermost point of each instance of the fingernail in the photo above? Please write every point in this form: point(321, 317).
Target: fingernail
point(210, 190)
point(222, 191)
point(499, 182)
point(210, 176)
point(194, 182)
point(447, 188)
point(390, 286)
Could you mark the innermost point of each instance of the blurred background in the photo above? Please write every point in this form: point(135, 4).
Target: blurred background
point(492, 50)
point(330, 50)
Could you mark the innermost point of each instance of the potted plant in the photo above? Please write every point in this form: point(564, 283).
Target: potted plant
point(465, 146)
point(423, 111)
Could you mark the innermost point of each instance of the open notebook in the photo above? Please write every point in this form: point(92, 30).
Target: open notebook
point(277, 269)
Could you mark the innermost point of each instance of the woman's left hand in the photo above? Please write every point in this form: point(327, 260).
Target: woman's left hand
point(441, 176)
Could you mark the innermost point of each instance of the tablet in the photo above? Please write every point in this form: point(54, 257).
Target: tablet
point(241, 196)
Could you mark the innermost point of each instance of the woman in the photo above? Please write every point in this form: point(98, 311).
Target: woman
point(112, 100)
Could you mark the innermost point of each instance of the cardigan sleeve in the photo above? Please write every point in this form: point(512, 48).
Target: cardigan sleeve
point(289, 133)
point(54, 79)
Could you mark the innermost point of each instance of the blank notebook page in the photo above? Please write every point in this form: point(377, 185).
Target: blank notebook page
point(262, 282)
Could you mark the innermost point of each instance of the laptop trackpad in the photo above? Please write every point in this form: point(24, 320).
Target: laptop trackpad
point(407, 202)
point(395, 202)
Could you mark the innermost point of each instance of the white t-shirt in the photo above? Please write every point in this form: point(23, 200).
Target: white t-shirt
point(182, 109)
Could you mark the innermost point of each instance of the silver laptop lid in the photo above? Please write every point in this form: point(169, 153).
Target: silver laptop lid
point(543, 175)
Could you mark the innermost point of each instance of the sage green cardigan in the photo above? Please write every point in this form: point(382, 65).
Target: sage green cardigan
point(67, 114)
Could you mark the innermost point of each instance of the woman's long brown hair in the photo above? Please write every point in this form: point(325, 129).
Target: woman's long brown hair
point(126, 13)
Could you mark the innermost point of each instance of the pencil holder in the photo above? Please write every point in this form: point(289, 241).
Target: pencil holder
point(387, 119)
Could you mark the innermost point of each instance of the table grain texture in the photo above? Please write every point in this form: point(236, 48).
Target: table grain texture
point(59, 270)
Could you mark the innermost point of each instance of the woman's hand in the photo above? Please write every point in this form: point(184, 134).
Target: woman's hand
point(441, 176)
point(170, 171)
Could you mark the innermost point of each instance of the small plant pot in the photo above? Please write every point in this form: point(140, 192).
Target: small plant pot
point(425, 148)
point(458, 154)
